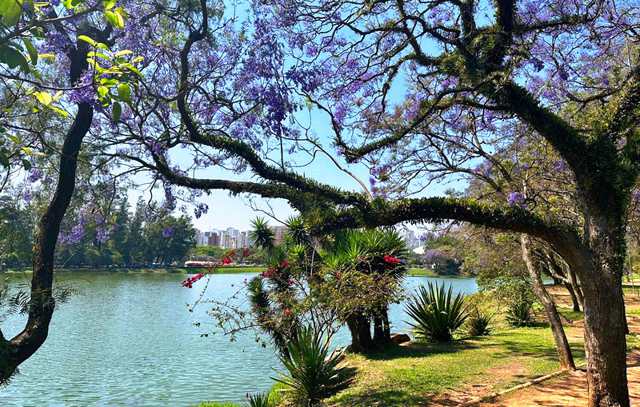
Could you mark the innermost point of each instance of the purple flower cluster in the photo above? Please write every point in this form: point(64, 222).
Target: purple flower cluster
point(35, 175)
point(200, 210)
point(515, 199)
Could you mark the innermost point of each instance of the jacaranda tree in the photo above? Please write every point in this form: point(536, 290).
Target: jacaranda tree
point(421, 91)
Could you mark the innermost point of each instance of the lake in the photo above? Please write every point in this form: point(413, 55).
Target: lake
point(129, 340)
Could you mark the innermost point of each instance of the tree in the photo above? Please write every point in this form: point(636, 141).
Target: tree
point(73, 38)
point(466, 94)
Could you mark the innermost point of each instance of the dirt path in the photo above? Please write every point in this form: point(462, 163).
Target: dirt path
point(567, 390)
point(571, 389)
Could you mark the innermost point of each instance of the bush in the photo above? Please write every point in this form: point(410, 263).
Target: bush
point(313, 371)
point(519, 314)
point(437, 313)
point(478, 323)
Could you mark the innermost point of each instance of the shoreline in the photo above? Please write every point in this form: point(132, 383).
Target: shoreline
point(411, 272)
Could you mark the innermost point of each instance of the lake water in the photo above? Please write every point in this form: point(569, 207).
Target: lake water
point(129, 340)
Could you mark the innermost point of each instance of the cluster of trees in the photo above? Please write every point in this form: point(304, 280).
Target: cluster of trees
point(99, 235)
point(534, 103)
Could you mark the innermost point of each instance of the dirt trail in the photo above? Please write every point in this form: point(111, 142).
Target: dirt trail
point(567, 390)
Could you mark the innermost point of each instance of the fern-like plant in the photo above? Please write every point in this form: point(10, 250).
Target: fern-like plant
point(314, 372)
point(436, 313)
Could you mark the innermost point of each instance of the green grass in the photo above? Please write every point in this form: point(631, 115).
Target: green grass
point(410, 375)
point(217, 404)
point(424, 272)
point(569, 313)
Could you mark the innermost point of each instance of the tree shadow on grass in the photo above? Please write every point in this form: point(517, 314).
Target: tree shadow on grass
point(417, 349)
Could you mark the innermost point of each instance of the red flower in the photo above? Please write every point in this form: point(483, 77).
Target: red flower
point(226, 260)
point(268, 273)
point(287, 312)
point(284, 264)
point(391, 260)
point(188, 282)
point(246, 252)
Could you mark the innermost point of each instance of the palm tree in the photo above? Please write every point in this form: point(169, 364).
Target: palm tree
point(377, 253)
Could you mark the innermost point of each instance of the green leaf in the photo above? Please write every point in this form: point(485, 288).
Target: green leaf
point(114, 18)
point(117, 111)
point(109, 4)
point(103, 91)
point(4, 158)
point(26, 164)
point(13, 58)
point(124, 91)
point(10, 11)
point(43, 97)
point(88, 40)
point(33, 52)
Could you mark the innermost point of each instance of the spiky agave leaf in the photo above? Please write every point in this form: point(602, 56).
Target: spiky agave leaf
point(436, 312)
point(313, 371)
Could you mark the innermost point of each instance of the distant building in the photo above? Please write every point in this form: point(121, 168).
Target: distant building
point(201, 239)
point(230, 238)
point(214, 240)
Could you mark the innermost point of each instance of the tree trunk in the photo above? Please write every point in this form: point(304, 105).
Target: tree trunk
point(576, 286)
point(599, 267)
point(605, 341)
point(41, 302)
point(381, 329)
point(574, 298)
point(562, 345)
point(360, 329)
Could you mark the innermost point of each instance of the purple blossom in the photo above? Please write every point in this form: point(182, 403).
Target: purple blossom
point(200, 210)
point(102, 234)
point(515, 198)
point(167, 232)
point(35, 175)
point(560, 166)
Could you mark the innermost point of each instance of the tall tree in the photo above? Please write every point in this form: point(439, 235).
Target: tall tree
point(474, 75)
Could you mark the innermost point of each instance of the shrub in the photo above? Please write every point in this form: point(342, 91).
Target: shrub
point(313, 371)
point(478, 323)
point(519, 314)
point(436, 313)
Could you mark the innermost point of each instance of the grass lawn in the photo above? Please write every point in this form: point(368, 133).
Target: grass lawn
point(407, 376)
point(424, 272)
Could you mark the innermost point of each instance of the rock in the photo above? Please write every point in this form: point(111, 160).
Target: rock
point(400, 338)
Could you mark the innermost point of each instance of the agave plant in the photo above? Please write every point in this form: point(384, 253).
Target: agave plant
point(259, 400)
point(314, 372)
point(437, 313)
point(519, 314)
point(479, 323)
